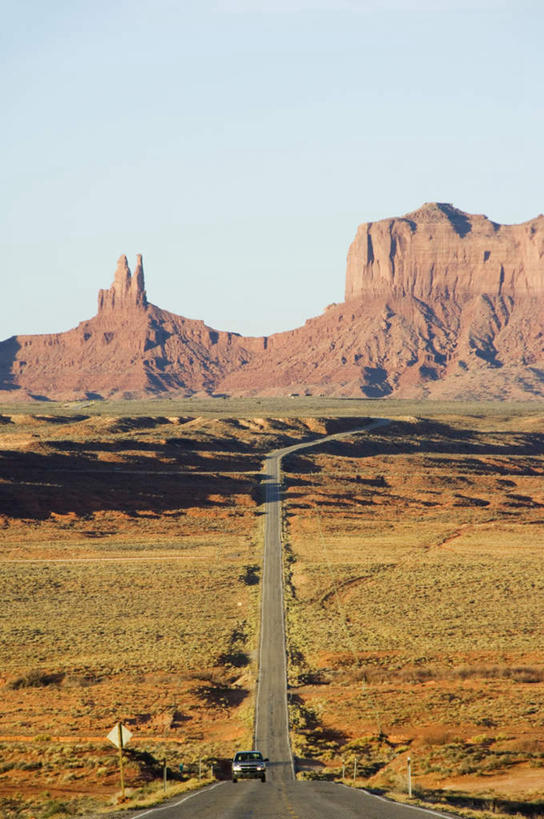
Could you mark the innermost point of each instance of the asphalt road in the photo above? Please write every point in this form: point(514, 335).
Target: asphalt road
point(294, 800)
point(271, 718)
point(281, 796)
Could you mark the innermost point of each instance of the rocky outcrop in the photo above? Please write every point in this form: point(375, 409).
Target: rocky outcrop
point(439, 252)
point(439, 303)
point(129, 349)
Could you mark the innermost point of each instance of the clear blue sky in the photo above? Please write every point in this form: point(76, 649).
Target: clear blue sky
point(237, 144)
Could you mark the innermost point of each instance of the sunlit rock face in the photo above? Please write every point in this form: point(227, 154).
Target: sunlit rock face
point(438, 304)
point(127, 290)
point(440, 252)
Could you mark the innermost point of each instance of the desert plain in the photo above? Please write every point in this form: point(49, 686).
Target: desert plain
point(132, 539)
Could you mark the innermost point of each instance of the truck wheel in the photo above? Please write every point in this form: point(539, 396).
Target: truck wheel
point(234, 779)
point(263, 778)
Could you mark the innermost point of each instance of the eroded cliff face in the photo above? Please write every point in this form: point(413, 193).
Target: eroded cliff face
point(439, 304)
point(439, 252)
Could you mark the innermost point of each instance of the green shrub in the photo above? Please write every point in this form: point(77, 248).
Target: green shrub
point(54, 807)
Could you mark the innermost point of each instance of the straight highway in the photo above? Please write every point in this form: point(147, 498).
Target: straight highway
point(282, 796)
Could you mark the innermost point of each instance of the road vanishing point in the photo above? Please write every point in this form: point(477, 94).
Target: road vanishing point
point(282, 796)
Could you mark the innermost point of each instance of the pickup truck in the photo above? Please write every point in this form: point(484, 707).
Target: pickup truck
point(249, 765)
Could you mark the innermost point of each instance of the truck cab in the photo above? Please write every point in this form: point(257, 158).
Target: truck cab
point(249, 765)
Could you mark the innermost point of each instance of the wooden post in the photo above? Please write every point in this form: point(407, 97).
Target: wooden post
point(164, 773)
point(120, 737)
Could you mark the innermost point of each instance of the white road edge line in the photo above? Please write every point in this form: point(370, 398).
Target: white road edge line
point(284, 617)
point(175, 804)
point(400, 804)
point(257, 692)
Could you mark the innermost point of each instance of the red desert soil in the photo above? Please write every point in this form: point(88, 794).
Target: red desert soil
point(131, 554)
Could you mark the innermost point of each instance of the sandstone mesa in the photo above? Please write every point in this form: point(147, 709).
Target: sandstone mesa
point(438, 304)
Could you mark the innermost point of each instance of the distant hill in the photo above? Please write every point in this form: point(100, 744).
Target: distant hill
point(439, 304)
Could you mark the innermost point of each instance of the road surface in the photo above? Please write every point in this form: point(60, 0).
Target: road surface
point(294, 800)
point(281, 797)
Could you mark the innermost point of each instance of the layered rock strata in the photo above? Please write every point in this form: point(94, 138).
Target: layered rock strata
point(439, 252)
point(438, 303)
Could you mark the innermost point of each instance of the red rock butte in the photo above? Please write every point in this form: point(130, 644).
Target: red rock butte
point(439, 251)
point(438, 304)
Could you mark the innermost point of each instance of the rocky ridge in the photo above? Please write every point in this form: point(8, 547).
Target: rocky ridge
point(438, 303)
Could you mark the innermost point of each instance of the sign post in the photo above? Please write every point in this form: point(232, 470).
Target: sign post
point(120, 736)
point(120, 746)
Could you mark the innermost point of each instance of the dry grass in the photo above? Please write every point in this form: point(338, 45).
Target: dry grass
point(273, 407)
point(130, 554)
point(131, 551)
point(416, 579)
point(102, 618)
point(131, 534)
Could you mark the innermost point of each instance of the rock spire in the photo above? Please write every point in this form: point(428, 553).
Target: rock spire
point(127, 290)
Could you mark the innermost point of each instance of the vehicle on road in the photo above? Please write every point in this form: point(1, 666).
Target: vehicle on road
point(249, 765)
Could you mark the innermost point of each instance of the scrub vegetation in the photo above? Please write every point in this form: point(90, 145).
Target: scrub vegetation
point(130, 572)
point(415, 576)
point(130, 575)
point(130, 547)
